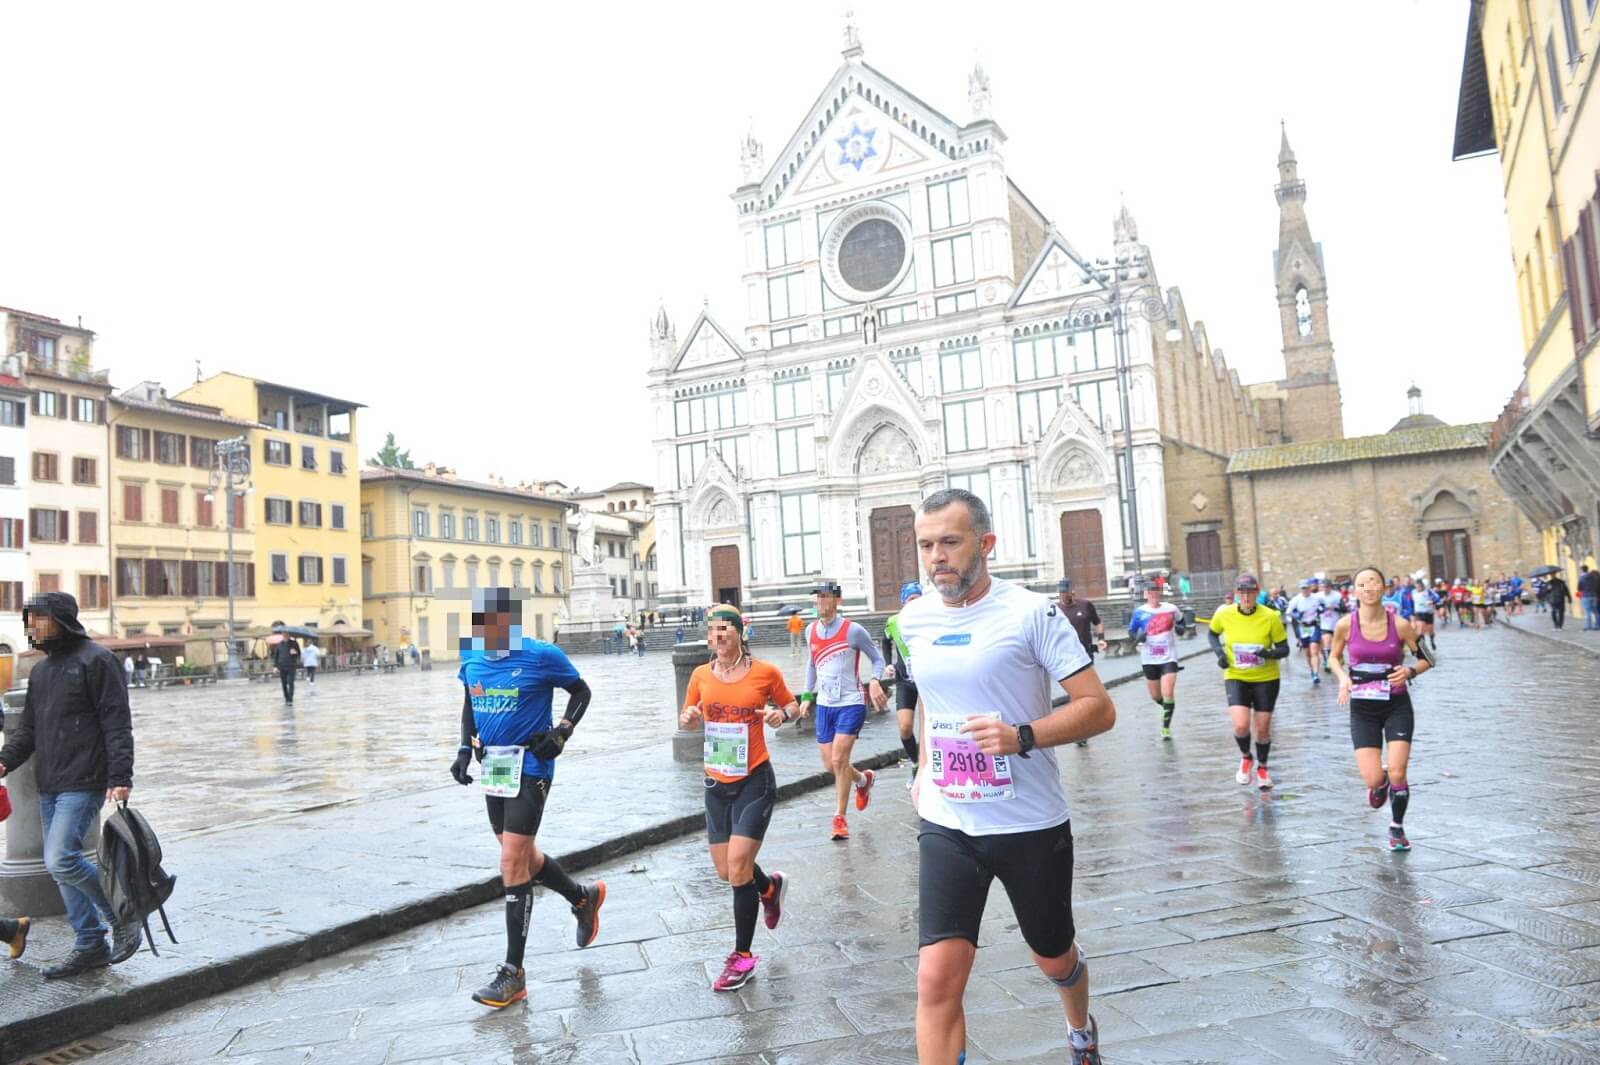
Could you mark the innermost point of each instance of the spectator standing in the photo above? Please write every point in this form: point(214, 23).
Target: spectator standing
point(141, 669)
point(1558, 596)
point(311, 658)
point(285, 656)
point(1589, 590)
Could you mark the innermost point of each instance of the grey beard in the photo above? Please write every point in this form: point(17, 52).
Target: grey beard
point(968, 578)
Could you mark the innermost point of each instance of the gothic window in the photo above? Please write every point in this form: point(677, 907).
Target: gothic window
point(1302, 311)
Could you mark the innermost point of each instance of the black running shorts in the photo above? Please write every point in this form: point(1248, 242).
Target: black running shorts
point(1258, 695)
point(1159, 670)
point(1372, 721)
point(905, 692)
point(1425, 616)
point(520, 814)
point(743, 808)
point(1035, 868)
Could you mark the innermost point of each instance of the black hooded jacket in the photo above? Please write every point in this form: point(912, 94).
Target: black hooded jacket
point(75, 721)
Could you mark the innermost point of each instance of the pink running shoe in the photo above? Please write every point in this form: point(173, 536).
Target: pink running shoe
point(736, 972)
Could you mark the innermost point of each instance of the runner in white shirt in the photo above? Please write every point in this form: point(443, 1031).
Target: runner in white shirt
point(1155, 626)
point(1305, 610)
point(1332, 606)
point(989, 656)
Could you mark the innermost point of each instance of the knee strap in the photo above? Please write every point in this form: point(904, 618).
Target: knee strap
point(1074, 976)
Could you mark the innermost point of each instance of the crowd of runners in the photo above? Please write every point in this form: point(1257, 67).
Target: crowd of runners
point(989, 679)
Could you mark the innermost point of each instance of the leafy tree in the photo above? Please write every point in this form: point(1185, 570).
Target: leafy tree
point(390, 455)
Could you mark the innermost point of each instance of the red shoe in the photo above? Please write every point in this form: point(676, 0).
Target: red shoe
point(772, 901)
point(1263, 779)
point(864, 790)
point(841, 830)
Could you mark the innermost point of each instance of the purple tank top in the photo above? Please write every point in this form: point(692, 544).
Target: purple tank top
point(1369, 659)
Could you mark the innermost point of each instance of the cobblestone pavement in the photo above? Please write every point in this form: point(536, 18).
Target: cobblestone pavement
point(1222, 924)
point(1572, 633)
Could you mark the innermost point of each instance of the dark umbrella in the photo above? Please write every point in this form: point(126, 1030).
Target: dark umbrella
point(1545, 571)
point(296, 630)
point(783, 610)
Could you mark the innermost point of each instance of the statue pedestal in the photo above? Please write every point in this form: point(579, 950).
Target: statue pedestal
point(590, 594)
point(25, 885)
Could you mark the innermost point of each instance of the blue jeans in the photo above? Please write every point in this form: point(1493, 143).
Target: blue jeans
point(1591, 612)
point(66, 816)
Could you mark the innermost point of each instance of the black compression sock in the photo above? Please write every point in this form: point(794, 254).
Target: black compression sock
point(1399, 799)
point(746, 901)
point(1262, 750)
point(518, 911)
point(909, 745)
point(1167, 709)
point(552, 876)
point(763, 882)
point(1244, 744)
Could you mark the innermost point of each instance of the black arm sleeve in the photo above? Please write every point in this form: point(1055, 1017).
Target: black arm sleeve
point(578, 701)
point(1279, 650)
point(469, 727)
point(116, 720)
point(1215, 640)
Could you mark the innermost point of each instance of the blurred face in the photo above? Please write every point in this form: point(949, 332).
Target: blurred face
point(1152, 596)
point(952, 554)
point(1246, 598)
point(1369, 587)
point(722, 636)
point(827, 607)
point(42, 626)
point(494, 628)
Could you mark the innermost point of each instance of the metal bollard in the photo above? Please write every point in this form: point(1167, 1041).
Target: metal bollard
point(687, 745)
point(26, 887)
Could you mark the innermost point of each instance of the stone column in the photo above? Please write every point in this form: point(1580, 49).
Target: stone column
point(25, 885)
point(688, 745)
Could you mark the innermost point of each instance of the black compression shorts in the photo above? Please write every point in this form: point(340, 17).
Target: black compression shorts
point(905, 695)
point(1159, 670)
point(1258, 695)
point(520, 814)
point(1372, 721)
point(743, 808)
point(1035, 868)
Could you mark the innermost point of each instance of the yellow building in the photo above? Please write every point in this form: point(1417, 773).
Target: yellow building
point(306, 491)
point(429, 538)
point(1525, 82)
point(168, 533)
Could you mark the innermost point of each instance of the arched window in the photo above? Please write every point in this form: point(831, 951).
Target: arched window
point(1302, 311)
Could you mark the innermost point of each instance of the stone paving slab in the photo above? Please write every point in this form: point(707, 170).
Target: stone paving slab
point(1218, 922)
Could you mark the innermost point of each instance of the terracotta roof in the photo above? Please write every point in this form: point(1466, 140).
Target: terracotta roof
point(395, 473)
point(628, 486)
point(1360, 448)
point(181, 410)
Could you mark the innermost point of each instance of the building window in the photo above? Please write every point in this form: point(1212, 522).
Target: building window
point(366, 578)
point(276, 453)
point(469, 528)
point(1302, 311)
point(11, 534)
point(202, 452)
point(842, 326)
point(13, 412)
point(1035, 409)
point(491, 530)
point(133, 444)
point(336, 462)
point(735, 451)
point(1569, 29)
point(47, 404)
point(133, 502)
point(422, 577)
point(494, 574)
point(690, 458)
point(310, 514)
point(955, 304)
point(802, 535)
point(336, 516)
point(93, 591)
point(516, 574)
point(838, 378)
point(1558, 103)
point(447, 525)
point(791, 398)
point(947, 204)
point(237, 513)
point(88, 526)
point(555, 579)
point(784, 245)
point(8, 470)
point(169, 506)
point(339, 569)
point(46, 467)
point(83, 471)
point(447, 568)
point(85, 409)
point(965, 427)
point(786, 296)
point(555, 535)
point(535, 533)
point(279, 512)
point(952, 261)
point(514, 532)
point(797, 451)
point(960, 371)
point(308, 457)
point(170, 449)
point(472, 574)
point(419, 522)
point(899, 314)
point(1099, 401)
point(47, 582)
point(204, 514)
point(280, 568)
point(11, 596)
point(366, 524)
point(310, 569)
point(721, 410)
point(538, 578)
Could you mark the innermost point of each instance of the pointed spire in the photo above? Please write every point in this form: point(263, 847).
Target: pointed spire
point(978, 92)
point(752, 159)
point(661, 328)
point(1125, 229)
point(1285, 153)
point(852, 37)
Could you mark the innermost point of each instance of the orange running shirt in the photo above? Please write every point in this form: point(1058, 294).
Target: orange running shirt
point(742, 702)
point(795, 624)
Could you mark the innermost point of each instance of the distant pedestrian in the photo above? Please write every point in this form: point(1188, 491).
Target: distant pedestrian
point(141, 669)
point(796, 627)
point(1589, 590)
point(1183, 585)
point(311, 658)
point(678, 635)
point(1558, 595)
point(633, 640)
point(286, 656)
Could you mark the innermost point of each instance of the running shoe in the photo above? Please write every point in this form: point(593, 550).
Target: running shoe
point(1083, 743)
point(1379, 795)
point(1397, 839)
point(1088, 1054)
point(841, 829)
point(1263, 778)
point(772, 902)
point(19, 941)
point(1166, 732)
point(1243, 775)
point(736, 972)
point(508, 986)
point(864, 789)
point(588, 912)
point(1316, 678)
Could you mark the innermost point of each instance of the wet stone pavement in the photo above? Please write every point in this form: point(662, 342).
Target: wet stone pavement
point(1221, 924)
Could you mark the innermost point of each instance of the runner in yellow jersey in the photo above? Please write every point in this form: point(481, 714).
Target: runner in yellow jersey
point(1249, 640)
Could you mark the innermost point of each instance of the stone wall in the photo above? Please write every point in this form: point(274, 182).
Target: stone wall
point(1198, 490)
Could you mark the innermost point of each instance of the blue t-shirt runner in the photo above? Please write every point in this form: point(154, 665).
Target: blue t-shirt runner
point(511, 693)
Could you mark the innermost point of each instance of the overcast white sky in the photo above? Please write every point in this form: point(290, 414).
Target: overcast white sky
point(464, 214)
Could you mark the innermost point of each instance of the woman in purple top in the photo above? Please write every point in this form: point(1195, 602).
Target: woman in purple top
point(1376, 683)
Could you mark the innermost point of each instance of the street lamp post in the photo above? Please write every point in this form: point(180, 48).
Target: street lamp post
point(229, 472)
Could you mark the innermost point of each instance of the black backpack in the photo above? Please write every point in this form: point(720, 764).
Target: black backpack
point(130, 871)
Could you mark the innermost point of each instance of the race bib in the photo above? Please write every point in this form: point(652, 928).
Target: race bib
point(728, 748)
point(1369, 687)
point(960, 771)
point(501, 774)
point(1247, 655)
point(1159, 646)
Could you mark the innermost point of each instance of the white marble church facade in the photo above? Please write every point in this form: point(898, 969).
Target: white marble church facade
point(914, 323)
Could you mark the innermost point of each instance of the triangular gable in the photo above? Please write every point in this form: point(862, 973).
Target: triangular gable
point(875, 393)
point(1310, 260)
point(1055, 273)
point(708, 345)
point(713, 482)
point(894, 130)
point(1071, 424)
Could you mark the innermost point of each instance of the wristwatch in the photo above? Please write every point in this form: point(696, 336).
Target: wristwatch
point(1024, 739)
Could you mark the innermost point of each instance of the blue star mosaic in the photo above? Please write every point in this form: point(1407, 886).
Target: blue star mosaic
point(856, 146)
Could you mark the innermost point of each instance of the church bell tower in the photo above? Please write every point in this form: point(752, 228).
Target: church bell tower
point(1312, 404)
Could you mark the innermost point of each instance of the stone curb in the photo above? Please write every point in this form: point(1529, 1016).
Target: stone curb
point(101, 1011)
point(1550, 638)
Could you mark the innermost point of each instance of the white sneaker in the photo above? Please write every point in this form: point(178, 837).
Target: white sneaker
point(1243, 775)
